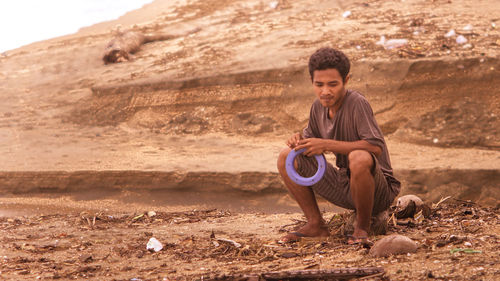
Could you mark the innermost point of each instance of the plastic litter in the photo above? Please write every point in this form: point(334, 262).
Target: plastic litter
point(450, 33)
point(468, 251)
point(234, 243)
point(273, 4)
point(346, 14)
point(391, 43)
point(467, 27)
point(461, 40)
point(154, 244)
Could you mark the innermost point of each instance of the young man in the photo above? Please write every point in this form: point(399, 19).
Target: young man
point(341, 121)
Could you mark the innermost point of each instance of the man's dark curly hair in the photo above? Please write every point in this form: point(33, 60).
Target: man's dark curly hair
point(326, 58)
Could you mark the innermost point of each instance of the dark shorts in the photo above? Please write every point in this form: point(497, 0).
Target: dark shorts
point(334, 186)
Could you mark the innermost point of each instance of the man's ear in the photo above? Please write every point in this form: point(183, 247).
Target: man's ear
point(347, 79)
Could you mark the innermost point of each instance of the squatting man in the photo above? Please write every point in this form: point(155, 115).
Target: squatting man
point(341, 121)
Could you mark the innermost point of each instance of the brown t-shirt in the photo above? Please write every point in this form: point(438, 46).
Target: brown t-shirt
point(353, 121)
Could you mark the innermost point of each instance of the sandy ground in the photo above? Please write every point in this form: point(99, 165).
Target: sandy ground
point(213, 109)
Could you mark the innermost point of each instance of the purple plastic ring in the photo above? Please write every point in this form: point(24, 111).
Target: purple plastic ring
point(298, 179)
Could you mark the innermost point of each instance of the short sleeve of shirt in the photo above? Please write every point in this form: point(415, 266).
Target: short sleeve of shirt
point(311, 131)
point(366, 126)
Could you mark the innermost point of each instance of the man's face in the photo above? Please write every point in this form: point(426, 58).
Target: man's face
point(329, 87)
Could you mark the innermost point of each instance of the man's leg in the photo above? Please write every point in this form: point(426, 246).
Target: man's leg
point(362, 186)
point(315, 226)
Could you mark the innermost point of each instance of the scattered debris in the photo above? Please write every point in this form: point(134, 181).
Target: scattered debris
point(154, 244)
point(234, 243)
point(461, 39)
point(455, 226)
point(312, 274)
point(468, 27)
point(467, 251)
point(450, 33)
point(391, 43)
point(346, 14)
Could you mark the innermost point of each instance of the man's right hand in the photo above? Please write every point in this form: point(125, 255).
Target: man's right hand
point(293, 141)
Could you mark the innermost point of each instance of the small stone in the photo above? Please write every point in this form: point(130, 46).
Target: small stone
point(393, 245)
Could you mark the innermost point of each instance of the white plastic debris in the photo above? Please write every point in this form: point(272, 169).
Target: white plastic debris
point(154, 244)
point(450, 33)
point(236, 244)
point(435, 140)
point(391, 43)
point(151, 214)
point(346, 14)
point(467, 27)
point(273, 4)
point(461, 40)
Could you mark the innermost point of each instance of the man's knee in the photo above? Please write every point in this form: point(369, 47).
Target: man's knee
point(360, 160)
point(282, 158)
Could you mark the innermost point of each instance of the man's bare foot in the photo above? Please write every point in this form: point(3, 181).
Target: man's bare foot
point(359, 237)
point(363, 241)
point(306, 231)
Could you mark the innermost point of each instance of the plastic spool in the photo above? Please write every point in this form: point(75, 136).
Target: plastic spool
point(298, 179)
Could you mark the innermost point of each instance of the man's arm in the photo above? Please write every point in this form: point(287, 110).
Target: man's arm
point(315, 146)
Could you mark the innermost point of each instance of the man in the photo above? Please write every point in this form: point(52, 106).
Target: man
point(341, 121)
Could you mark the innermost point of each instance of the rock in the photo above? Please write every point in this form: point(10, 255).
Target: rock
point(393, 245)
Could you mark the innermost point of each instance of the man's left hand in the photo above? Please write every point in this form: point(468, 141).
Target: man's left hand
point(313, 146)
